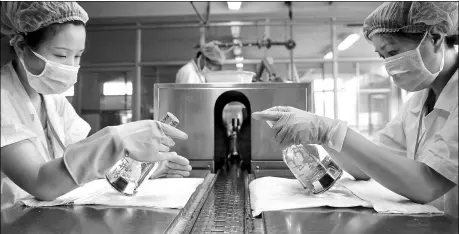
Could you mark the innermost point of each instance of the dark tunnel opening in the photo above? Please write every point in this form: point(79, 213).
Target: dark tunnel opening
point(223, 148)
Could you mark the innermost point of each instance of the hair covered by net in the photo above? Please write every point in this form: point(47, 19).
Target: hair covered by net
point(412, 17)
point(213, 52)
point(20, 18)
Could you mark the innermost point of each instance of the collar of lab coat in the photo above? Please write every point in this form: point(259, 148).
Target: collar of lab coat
point(447, 100)
point(198, 71)
point(54, 120)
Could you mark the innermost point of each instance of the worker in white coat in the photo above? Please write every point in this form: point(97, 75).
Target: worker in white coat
point(44, 149)
point(209, 58)
point(416, 154)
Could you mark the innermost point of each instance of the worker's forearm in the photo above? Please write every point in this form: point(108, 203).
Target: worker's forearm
point(409, 178)
point(54, 180)
point(346, 164)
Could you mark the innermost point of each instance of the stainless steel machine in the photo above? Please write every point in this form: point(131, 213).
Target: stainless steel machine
point(225, 140)
point(203, 111)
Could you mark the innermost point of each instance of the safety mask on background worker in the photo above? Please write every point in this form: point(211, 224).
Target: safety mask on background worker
point(205, 69)
point(55, 78)
point(408, 70)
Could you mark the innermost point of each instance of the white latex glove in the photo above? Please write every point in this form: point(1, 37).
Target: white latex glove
point(295, 126)
point(145, 141)
point(175, 166)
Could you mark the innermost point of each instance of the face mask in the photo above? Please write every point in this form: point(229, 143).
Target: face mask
point(56, 78)
point(206, 70)
point(408, 70)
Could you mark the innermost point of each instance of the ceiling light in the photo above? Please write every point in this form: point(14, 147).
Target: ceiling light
point(234, 6)
point(348, 42)
point(239, 65)
point(329, 55)
point(239, 58)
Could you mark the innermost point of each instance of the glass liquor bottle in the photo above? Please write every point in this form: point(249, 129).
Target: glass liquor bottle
point(315, 174)
point(128, 174)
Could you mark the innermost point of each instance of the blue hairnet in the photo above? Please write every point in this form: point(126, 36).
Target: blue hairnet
point(23, 17)
point(412, 17)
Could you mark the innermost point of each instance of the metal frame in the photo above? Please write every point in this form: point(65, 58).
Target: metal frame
point(357, 106)
point(335, 67)
point(137, 79)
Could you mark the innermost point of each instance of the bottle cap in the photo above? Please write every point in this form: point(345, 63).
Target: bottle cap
point(170, 119)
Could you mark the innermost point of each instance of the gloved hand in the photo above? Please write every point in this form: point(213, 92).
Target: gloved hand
point(175, 166)
point(294, 126)
point(145, 141)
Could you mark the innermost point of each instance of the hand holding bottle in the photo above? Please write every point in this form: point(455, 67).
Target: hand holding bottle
point(294, 126)
point(145, 141)
point(175, 166)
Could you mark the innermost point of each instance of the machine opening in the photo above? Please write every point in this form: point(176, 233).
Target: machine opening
point(232, 130)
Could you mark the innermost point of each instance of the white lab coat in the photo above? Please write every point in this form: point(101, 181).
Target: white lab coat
point(189, 74)
point(439, 147)
point(20, 121)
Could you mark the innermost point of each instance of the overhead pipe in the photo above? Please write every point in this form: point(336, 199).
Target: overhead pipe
point(312, 21)
point(259, 43)
point(125, 66)
point(289, 44)
point(197, 13)
point(202, 29)
point(207, 12)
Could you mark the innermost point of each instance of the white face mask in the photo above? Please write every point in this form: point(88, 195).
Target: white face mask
point(56, 78)
point(205, 70)
point(408, 69)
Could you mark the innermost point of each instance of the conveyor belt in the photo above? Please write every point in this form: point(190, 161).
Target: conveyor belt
point(224, 210)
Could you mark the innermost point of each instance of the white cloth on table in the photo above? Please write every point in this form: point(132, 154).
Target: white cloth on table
point(385, 201)
point(273, 193)
point(156, 193)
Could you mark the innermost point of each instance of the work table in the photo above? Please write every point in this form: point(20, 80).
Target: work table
point(127, 220)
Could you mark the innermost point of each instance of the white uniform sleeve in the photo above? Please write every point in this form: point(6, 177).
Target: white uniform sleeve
point(188, 75)
point(13, 130)
point(392, 136)
point(76, 129)
point(441, 154)
point(182, 75)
